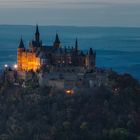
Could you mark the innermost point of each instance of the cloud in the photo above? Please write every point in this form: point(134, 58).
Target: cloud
point(116, 15)
point(62, 3)
point(71, 12)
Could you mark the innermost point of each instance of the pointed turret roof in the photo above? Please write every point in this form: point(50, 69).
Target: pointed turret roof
point(57, 40)
point(21, 44)
point(76, 44)
point(91, 51)
point(37, 34)
point(37, 29)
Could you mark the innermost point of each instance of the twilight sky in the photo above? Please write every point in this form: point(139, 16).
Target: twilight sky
point(71, 12)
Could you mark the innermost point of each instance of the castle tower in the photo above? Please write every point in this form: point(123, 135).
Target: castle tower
point(20, 50)
point(76, 45)
point(37, 34)
point(75, 57)
point(57, 41)
point(91, 59)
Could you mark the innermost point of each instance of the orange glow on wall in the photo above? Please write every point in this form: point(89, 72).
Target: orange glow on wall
point(27, 61)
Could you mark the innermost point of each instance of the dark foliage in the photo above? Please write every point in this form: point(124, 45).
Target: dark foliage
point(39, 114)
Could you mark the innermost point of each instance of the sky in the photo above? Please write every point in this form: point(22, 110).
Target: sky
point(71, 12)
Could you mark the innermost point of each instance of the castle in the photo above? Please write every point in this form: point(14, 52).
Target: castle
point(65, 68)
point(38, 55)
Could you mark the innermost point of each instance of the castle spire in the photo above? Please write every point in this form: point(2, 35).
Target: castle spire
point(37, 30)
point(21, 44)
point(37, 34)
point(57, 41)
point(91, 51)
point(76, 44)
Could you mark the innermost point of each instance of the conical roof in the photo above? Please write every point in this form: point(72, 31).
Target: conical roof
point(21, 44)
point(57, 40)
point(76, 44)
point(91, 51)
point(37, 30)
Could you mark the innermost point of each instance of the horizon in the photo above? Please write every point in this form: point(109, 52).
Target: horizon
point(74, 26)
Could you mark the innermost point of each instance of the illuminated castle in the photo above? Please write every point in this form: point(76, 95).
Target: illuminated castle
point(39, 55)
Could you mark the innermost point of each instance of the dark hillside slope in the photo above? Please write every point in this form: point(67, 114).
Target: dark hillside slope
point(102, 114)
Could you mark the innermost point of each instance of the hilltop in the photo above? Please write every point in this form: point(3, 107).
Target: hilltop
point(104, 113)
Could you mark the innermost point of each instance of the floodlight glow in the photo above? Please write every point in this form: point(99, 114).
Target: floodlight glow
point(5, 65)
point(15, 66)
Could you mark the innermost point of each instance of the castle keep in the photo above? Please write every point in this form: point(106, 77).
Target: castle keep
point(38, 56)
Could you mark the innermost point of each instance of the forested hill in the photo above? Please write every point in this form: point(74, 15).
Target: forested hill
point(105, 113)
